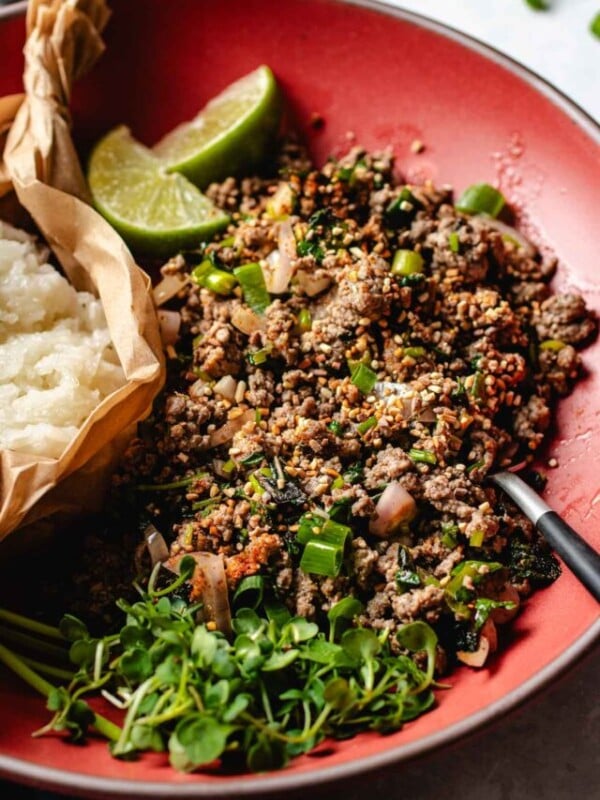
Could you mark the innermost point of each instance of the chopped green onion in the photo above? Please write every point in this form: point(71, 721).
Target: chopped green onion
point(253, 285)
point(476, 465)
point(229, 467)
point(313, 526)
point(217, 280)
point(336, 427)
point(251, 589)
point(203, 505)
point(261, 356)
point(476, 539)
point(454, 242)
point(595, 25)
point(256, 484)
point(165, 487)
point(366, 425)
point(552, 344)
point(422, 456)
point(415, 352)
point(449, 533)
point(338, 483)
point(229, 241)
point(477, 387)
point(322, 558)
point(407, 262)
point(304, 320)
point(481, 198)
point(364, 378)
point(538, 5)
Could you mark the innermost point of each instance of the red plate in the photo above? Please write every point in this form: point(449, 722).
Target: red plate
point(391, 78)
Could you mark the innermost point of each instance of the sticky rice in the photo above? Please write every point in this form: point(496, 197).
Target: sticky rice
point(57, 361)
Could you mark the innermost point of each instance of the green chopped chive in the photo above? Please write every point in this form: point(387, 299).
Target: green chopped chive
point(538, 5)
point(253, 285)
point(450, 532)
point(256, 484)
point(366, 425)
point(338, 483)
point(478, 385)
point(399, 211)
point(407, 262)
point(165, 487)
point(481, 198)
point(250, 592)
point(204, 505)
point(476, 465)
point(422, 456)
point(229, 467)
point(552, 344)
point(595, 25)
point(415, 352)
point(259, 357)
point(217, 280)
point(364, 378)
point(253, 459)
point(313, 526)
point(304, 320)
point(454, 242)
point(229, 241)
point(476, 539)
point(322, 558)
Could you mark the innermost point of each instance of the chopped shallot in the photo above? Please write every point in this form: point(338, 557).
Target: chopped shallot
point(395, 507)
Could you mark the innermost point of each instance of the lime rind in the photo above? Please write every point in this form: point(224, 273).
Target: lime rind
point(230, 135)
point(156, 212)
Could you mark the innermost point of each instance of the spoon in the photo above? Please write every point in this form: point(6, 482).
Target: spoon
point(582, 560)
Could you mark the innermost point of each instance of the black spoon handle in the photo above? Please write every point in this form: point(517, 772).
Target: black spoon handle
point(581, 559)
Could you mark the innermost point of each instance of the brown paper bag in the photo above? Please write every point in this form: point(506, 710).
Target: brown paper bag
point(40, 164)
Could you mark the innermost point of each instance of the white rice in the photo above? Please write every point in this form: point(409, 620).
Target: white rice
point(57, 361)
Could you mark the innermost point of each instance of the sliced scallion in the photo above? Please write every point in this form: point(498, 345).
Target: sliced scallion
point(364, 378)
point(476, 539)
point(407, 262)
point(454, 242)
point(253, 285)
point(259, 357)
point(313, 526)
point(366, 425)
point(304, 320)
point(552, 344)
point(422, 456)
point(217, 280)
point(322, 558)
point(481, 198)
point(595, 25)
point(415, 352)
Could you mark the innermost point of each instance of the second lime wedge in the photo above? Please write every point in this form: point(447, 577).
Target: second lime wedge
point(230, 135)
point(156, 213)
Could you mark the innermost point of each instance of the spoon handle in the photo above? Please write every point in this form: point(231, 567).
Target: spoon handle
point(577, 554)
point(582, 560)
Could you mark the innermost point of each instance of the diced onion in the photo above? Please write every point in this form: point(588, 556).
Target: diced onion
point(227, 431)
point(210, 587)
point(395, 507)
point(246, 320)
point(226, 387)
point(280, 263)
point(169, 322)
point(311, 285)
point(488, 643)
point(511, 233)
point(168, 288)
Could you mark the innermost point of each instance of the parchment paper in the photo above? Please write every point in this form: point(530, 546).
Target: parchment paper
point(40, 164)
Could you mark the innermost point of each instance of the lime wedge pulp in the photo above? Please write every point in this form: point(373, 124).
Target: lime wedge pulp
point(230, 135)
point(156, 213)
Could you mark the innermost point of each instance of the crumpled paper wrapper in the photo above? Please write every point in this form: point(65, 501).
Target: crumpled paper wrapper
point(39, 162)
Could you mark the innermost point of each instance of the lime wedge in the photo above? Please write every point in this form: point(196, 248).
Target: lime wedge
point(232, 133)
point(155, 212)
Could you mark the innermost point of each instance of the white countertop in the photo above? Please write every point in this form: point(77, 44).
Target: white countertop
point(557, 44)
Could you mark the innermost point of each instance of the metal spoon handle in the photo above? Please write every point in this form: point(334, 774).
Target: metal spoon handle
point(577, 554)
point(581, 559)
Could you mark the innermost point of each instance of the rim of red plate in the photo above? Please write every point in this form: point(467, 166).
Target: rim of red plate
point(33, 774)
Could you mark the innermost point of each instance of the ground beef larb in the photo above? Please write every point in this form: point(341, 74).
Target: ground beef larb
point(469, 355)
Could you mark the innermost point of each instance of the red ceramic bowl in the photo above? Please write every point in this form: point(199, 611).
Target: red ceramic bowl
point(391, 78)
